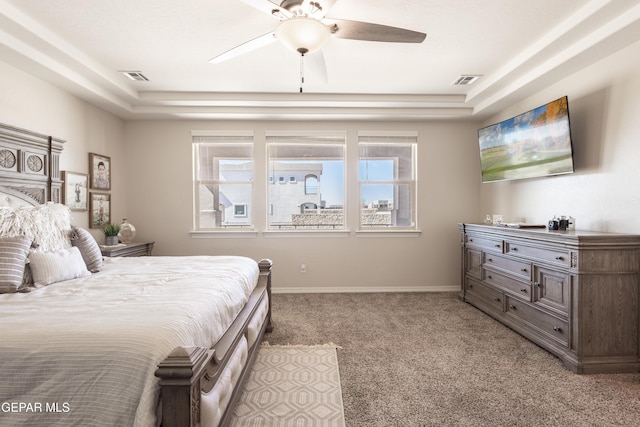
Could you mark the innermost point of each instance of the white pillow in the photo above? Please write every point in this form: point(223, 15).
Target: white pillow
point(51, 267)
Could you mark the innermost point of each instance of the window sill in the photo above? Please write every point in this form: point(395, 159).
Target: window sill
point(306, 233)
point(222, 234)
point(388, 233)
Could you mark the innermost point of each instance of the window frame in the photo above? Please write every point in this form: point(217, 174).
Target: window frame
point(389, 139)
point(239, 139)
point(316, 139)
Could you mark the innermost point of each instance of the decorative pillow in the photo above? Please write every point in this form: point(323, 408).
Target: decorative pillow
point(48, 225)
point(51, 267)
point(13, 257)
point(88, 247)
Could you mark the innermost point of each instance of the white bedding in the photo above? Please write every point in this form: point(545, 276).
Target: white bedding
point(82, 352)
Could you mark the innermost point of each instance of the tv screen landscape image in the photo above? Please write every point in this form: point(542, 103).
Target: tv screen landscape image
point(533, 144)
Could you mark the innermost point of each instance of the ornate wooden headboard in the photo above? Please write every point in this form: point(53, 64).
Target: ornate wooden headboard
point(29, 167)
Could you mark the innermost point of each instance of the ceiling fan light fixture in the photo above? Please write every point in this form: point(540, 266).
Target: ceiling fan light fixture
point(303, 34)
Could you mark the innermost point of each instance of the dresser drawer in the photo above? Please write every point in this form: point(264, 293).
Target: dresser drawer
point(515, 287)
point(493, 245)
point(556, 257)
point(492, 296)
point(552, 326)
point(517, 268)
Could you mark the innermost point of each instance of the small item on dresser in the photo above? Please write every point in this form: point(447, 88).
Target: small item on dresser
point(127, 231)
point(563, 223)
point(523, 225)
point(111, 232)
point(553, 223)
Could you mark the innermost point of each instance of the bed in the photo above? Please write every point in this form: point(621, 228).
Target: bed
point(116, 341)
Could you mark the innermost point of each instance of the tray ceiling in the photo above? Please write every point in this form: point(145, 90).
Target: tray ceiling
point(517, 48)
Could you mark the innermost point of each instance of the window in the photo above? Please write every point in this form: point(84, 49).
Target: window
point(387, 178)
point(311, 184)
point(312, 158)
point(222, 180)
point(240, 210)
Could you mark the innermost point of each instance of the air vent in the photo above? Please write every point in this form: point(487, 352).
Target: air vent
point(135, 75)
point(466, 80)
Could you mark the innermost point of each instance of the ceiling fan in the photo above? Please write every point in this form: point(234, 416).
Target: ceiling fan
point(305, 28)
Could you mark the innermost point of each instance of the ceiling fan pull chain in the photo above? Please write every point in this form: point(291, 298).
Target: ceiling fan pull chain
point(301, 68)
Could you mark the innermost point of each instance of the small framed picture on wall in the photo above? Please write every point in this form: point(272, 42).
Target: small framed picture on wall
point(99, 210)
point(100, 170)
point(75, 190)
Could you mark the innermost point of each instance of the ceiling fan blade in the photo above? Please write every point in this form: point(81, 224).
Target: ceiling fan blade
point(254, 44)
point(269, 8)
point(357, 30)
point(317, 66)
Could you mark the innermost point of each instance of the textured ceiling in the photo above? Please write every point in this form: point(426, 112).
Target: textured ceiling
point(517, 47)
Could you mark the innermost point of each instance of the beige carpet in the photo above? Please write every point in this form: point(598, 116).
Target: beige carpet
point(292, 386)
point(430, 360)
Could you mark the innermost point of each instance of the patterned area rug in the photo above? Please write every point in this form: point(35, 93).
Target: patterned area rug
point(292, 386)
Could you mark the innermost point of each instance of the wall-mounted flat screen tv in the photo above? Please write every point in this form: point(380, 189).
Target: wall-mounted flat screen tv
point(533, 144)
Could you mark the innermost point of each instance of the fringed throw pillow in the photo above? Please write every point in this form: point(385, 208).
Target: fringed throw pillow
point(48, 225)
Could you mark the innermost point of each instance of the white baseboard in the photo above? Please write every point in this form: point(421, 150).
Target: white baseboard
point(355, 289)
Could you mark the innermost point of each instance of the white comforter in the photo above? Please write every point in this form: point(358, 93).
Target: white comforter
point(83, 352)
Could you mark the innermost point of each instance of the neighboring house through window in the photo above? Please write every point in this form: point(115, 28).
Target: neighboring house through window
point(312, 158)
point(306, 181)
point(387, 177)
point(223, 180)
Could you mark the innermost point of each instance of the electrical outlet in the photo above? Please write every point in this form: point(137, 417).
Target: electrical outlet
point(303, 268)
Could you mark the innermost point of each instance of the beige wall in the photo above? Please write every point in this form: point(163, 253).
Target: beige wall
point(604, 193)
point(151, 163)
point(160, 200)
point(151, 186)
point(30, 103)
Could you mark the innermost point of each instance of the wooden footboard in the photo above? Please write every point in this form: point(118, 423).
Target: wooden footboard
point(189, 371)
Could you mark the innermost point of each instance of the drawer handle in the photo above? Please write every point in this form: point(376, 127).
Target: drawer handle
point(560, 258)
point(489, 277)
point(471, 240)
point(557, 328)
point(524, 270)
point(497, 246)
point(536, 284)
point(498, 299)
point(514, 249)
point(490, 259)
point(512, 307)
point(524, 290)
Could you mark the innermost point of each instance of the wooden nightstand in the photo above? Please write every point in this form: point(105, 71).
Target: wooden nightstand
point(128, 249)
